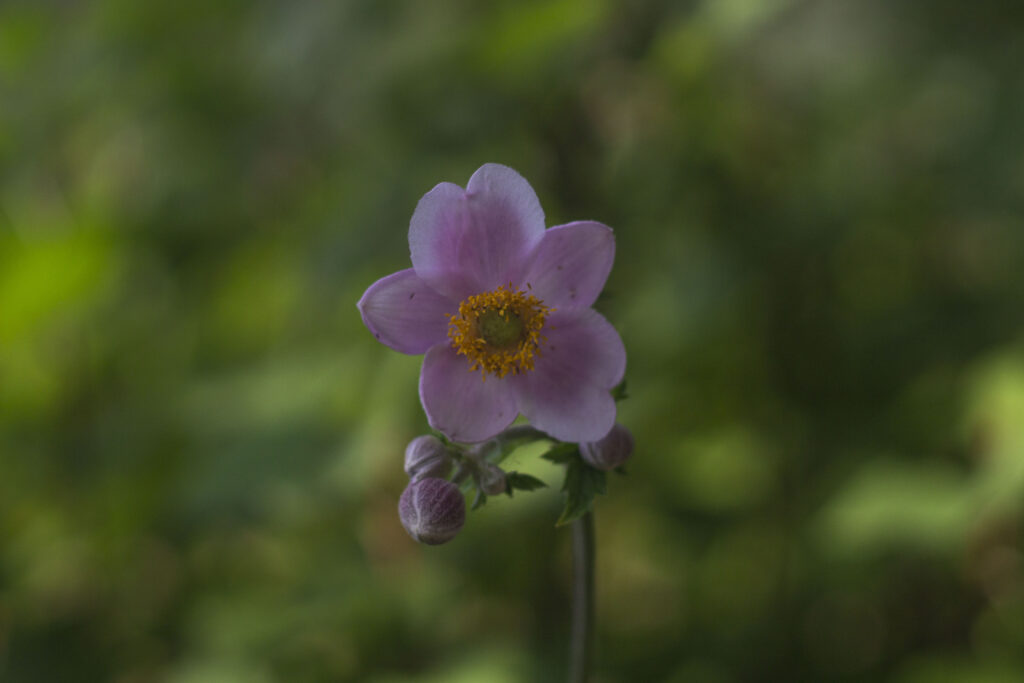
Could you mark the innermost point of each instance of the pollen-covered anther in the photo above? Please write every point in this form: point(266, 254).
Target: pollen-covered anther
point(499, 331)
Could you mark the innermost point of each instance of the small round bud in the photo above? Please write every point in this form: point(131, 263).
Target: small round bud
point(492, 481)
point(611, 451)
point(432, 510)
point(426, 456)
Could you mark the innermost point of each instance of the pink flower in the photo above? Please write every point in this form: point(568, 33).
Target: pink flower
point(502, 309)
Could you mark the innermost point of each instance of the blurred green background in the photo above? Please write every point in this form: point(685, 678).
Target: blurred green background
point(820, 283)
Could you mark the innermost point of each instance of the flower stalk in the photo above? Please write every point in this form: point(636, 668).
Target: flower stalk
point(582, 636)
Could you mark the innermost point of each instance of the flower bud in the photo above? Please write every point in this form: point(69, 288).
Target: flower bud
point(426, 456)
point(492, 481)
point(611, 451)
point(432, 510)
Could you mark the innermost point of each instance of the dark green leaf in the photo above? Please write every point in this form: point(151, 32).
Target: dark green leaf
point(562, 453)
point(582, 483)
point(619, 392)
point(523, 482)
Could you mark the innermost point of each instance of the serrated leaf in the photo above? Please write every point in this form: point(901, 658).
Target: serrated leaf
point(582, 482)
point(562, 453)
point(523, 482)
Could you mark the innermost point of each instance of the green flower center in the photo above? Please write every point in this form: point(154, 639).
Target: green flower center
point(500, 329)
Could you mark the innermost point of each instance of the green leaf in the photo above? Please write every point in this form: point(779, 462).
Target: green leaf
point(562, 453)
point(619, 392)
point(523, 482)
point(479, 501)
point(582, 483)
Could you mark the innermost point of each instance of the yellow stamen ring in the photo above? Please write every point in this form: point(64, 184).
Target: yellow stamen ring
point(499, 331)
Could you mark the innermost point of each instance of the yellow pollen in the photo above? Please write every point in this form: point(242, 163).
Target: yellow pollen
point(499, 331)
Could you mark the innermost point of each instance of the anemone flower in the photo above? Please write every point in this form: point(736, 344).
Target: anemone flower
point(501, 307)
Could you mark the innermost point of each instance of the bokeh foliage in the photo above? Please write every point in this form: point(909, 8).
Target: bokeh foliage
point(820, 281)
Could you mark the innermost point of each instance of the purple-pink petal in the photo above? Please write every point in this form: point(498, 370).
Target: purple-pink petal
point(567, 392)
point(406, 314)
point(568, 410)
point(583, 344)
point(469, 241)
point(460, 404)
point(568, 267)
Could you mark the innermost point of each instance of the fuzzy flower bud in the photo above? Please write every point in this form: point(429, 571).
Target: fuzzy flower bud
point(426, 456)
point(492, 481)
point(611, 451)
point(432, 510)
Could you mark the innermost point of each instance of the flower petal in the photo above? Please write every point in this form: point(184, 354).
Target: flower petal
point(573, 412)
point(568, 267)
point(470, 241)
point(405, 314)
point(583, 344)
point(567, 392)
point(458, 403)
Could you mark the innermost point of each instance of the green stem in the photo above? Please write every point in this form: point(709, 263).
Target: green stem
point(581, 643)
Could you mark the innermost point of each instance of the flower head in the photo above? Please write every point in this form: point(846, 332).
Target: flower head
point(432, 510)
point(611, 451)
point(426, 456)
point(501, 307)
point(493, 481)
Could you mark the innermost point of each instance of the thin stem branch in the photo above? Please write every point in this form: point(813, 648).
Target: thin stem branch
point(522, 432)
point(581, 643)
